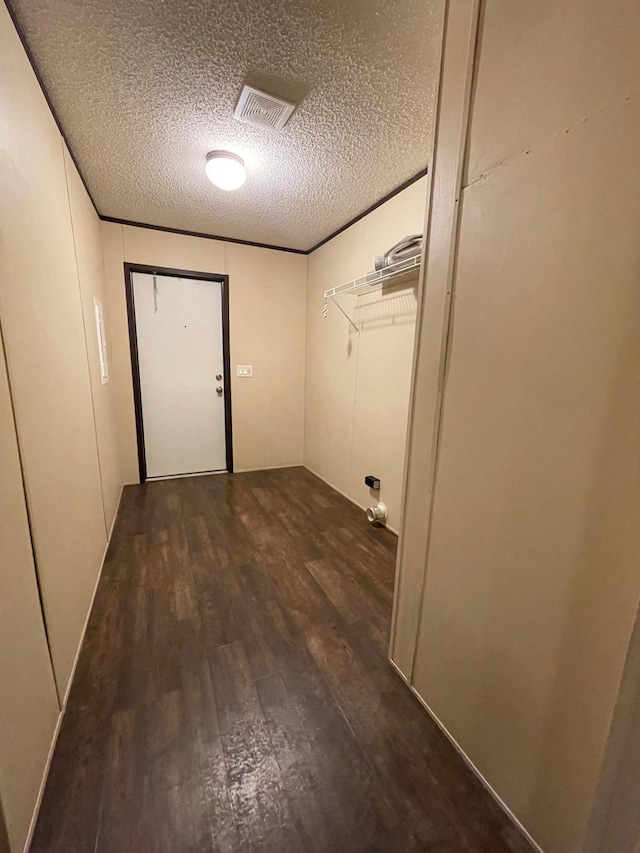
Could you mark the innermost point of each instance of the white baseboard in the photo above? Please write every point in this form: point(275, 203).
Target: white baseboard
point(113, 524)
point(454, 743)
point(345, 495)
point(43, 783)
point(36, 808)
point(188, 476)
point(87, 617)
point(215, 473)
point(267, 468)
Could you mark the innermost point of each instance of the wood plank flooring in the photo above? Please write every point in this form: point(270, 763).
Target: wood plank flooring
point(234, 694)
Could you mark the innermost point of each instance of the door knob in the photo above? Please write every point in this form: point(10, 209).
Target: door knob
point(218, 376)
point(219, 390)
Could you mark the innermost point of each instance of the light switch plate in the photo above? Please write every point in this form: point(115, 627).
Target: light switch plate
point(244, 370)
point(102, 342)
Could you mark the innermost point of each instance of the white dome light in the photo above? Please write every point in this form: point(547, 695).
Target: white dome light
point(225, 170)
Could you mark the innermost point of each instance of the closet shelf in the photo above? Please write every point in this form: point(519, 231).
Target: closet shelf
point(394, 274)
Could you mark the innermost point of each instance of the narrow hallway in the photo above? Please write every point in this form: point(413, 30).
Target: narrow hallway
point(234, 693)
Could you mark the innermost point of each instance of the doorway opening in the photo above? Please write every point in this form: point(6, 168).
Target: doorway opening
point(181, 366)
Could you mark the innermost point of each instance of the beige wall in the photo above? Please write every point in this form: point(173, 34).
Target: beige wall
point(532, 579)
point(46, 356)
point(267, 310)
point(29, 704)
point(50, 268)
point(531, 582)
point(87, 236)
point(357, 383)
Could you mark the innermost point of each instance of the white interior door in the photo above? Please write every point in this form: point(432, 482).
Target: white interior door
point(181, 363)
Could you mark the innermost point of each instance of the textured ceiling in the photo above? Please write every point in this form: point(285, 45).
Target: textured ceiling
point(145, 88)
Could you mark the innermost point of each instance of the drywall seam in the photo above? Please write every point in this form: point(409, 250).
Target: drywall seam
point(542, 141)
point(54, 740)
point(344, 495)
point(454, 743)
point(84, 334)
point(28, 514)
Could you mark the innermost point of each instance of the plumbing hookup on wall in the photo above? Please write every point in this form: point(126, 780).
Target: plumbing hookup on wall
point(359, 357)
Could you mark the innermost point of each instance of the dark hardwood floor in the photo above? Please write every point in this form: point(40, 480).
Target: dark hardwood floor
point(234, 694)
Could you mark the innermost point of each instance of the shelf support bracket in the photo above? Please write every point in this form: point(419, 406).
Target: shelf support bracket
point(340, 308)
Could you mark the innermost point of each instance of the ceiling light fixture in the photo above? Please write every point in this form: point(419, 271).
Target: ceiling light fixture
point(225, 170)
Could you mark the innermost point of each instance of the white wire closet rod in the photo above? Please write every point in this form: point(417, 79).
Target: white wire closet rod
point(392, 274)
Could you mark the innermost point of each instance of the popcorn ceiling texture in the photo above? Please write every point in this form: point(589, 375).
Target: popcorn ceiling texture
point(145, 88)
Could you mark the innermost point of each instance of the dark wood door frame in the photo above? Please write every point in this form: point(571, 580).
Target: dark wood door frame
point(129, 269)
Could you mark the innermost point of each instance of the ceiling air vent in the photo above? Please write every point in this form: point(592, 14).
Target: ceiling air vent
point(263, 110)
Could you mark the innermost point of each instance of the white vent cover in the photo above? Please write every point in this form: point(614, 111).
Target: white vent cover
point(263, 110)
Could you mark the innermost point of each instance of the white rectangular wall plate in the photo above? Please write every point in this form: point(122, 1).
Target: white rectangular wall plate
point(102, 342)
point(244, 370)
